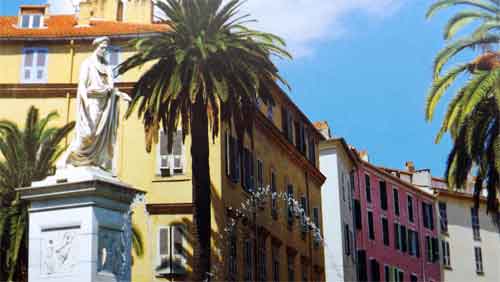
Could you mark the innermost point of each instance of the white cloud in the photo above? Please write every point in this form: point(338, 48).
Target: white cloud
point(302, 23)
point(62, 6)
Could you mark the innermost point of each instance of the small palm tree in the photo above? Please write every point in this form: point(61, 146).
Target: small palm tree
point(207, 63)
point(472, 115)
point(25, 155)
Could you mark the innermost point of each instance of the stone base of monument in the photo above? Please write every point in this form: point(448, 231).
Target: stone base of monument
point(79, 227)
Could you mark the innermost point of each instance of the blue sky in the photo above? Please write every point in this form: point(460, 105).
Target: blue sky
point(362, 65)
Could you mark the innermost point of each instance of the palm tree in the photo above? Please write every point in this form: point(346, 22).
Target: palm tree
point(208, 67)
point(487, 13)
point(26, 155)
point(471, 152)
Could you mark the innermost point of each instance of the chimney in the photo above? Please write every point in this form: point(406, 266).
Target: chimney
point(410, 167)
point(323, 128)
point(86, 12)
point(364, 155)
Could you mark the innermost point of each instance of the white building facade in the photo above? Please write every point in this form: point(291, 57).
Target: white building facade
point(337, 164)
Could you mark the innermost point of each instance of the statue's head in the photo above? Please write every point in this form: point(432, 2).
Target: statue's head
point(101, 45)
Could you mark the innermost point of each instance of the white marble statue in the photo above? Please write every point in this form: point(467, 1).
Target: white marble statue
point(96, 113)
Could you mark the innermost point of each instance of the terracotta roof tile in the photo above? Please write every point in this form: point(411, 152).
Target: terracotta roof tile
point(65, 26)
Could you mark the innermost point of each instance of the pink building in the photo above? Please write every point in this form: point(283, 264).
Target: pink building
point(397, 232)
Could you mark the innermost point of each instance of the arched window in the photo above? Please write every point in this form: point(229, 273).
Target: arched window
point(119, 11)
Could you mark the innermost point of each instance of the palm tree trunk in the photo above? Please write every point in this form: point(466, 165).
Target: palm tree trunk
point(201, 190)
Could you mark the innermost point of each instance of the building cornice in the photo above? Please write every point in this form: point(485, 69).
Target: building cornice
point(275, 134)
point(172, 208)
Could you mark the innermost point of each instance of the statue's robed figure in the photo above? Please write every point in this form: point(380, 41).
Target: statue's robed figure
point(96, 113)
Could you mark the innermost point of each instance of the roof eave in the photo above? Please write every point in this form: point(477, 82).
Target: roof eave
point(90, 37)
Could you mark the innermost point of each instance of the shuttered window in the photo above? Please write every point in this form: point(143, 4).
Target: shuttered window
point(383, 195)
point(371, 228)
point(395, 194)
point(172, 256)
point(34, 68)
point(170, 163)
point(274, 196)
point(385, 231)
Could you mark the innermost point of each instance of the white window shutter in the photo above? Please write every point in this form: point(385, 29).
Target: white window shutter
point(163, 266)
point(29, 61)
point(41, 65)
point(179, 260)
point(169, 164)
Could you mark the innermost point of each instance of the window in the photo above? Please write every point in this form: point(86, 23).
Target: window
point(172, 256)
point(247, 171)
point(413, 245)
point(171, 163)
point(274, 196)
point(475, 224)
point(397, 237)
point(385, 231)
point(479, 260)
point(410, 209)
point(289, 201)
point(374, 270)
point(317, 237)
point(247, 261)
point(428, 215)
point(399, 275)
point(445, 246)
point(347, 240)
point(114, 60)
point(233, 160)
point(260, 174)
point(34, 68)
point(413, 278)
point(361, 268)
point(357, 215)
point(404, 242)
point(291, 267)
point(443, 217)
point(432, 247)
point(371, 230)
point(395, 194)
point(287, 124)
point(383, 195)
point(368, 189)
point(232, 258)
point(275, 254)
point(387, 274)
point(119, 11)
point(303, 222)
point(312, 151)
point(300, 141)
point(262, 259)
point(31, 21)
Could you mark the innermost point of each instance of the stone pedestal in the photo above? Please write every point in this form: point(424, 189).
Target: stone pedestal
point(79, 227)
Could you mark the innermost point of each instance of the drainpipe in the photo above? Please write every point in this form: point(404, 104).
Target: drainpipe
point(68, 98)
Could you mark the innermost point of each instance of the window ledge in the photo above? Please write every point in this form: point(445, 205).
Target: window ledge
point(175, 178)
point(448, 267)
point(480, 273)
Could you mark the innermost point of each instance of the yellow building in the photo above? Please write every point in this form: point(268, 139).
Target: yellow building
point(40, 56)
